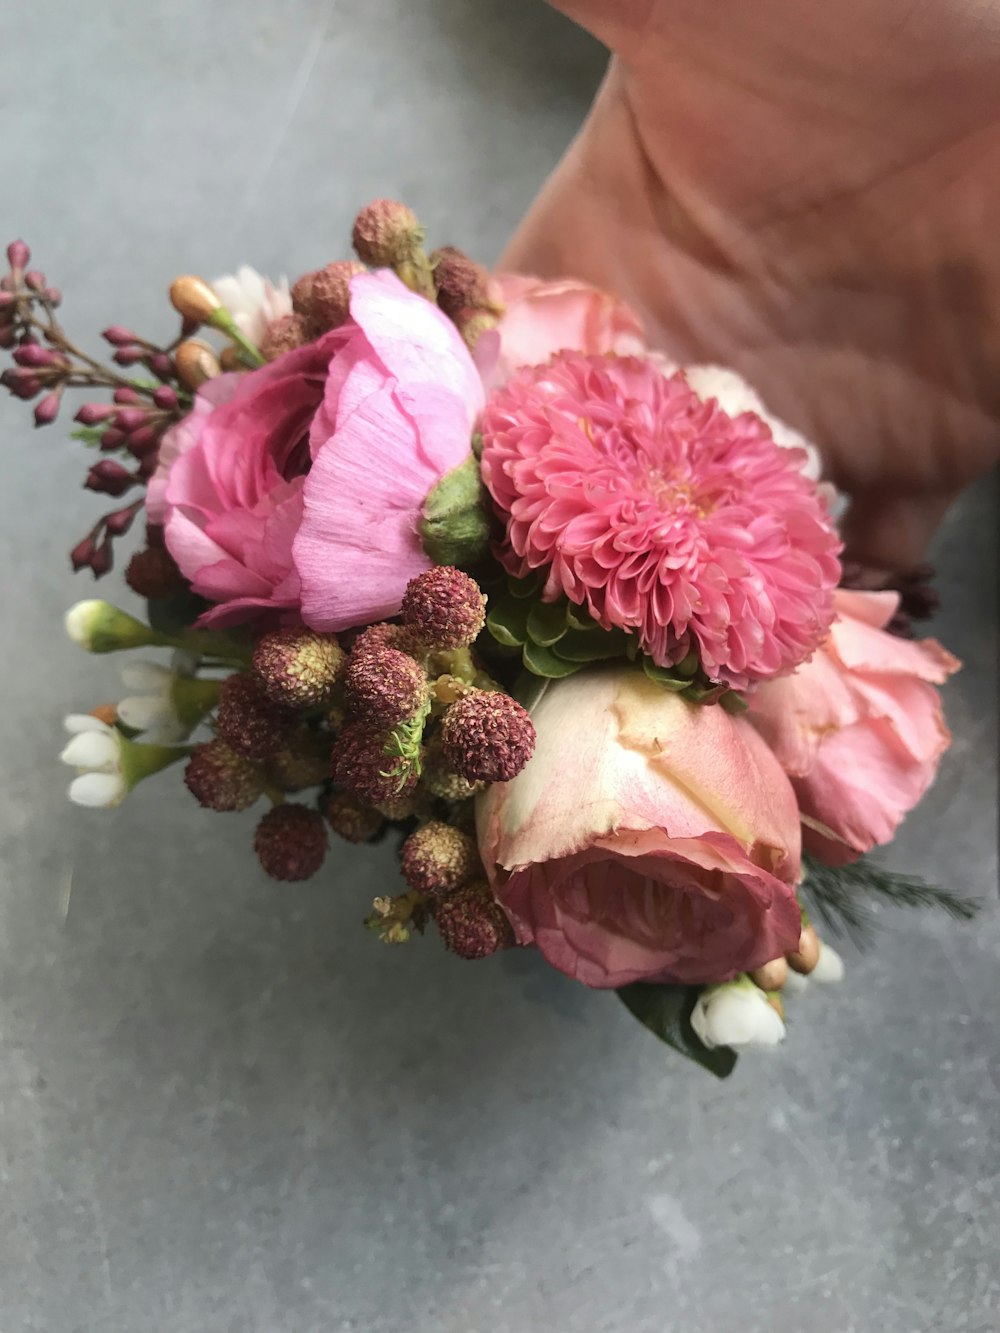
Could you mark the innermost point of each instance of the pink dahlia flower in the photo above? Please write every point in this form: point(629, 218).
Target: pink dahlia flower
point(647, 839)
point(858, 728)
point(397, 414)
point(660, 513)
point(331, 448)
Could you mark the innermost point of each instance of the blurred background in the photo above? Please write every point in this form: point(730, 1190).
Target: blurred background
point(223, 1106)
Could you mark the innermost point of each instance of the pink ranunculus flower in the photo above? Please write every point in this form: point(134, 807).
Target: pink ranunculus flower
point(398, 413)
point(858, 728)
point(299, 487)
point(232, 500)
point(647, 838)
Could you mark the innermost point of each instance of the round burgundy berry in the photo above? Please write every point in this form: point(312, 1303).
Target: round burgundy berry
point(248, 719)
point(298, 666)
point(472, 923)
point(360, 763)
point(444, 607)
point(437, 859)
point(350, 818)
point(291, 842)
point(221, 779)
point(383, 686)
point(487, 735)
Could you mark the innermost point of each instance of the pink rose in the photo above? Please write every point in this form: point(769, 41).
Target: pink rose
point(545, 317)
point(647, 838)
point(858, 728)
point(299, 486)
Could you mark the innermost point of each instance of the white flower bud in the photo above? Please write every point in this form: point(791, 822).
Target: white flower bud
point(830, 967)
point(736, 1014)
point(102, 628)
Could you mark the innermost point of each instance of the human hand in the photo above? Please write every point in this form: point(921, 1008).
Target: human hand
point(811, 195)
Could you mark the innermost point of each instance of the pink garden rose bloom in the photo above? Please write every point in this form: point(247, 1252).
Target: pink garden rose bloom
point(859, 728)
point(541, 318)
point(397, 414)
point(647, 838)
point(330, 450)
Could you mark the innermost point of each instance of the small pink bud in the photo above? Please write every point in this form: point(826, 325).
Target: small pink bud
point(119, 521)
point(6, 283)
point(109, 478)
point(6, 300)
point(118, 336)
point(126, 397)
point(162, 366)
point(128, 356)
point(130, 418)
point(7, 336)
point(53, 295)
point(92, 414)
point(82, 554)
point(48, 409)
point(143, 440)
point(31, 354)
point(18, 255)
point(165, 397)
point(35, 279)
point(102, 559)
point(112, 439)
point(21, 384)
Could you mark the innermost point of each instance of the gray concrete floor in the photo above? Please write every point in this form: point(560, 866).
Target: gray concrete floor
point(224, 1108)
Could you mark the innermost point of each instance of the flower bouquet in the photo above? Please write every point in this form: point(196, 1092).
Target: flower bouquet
point(459, 558)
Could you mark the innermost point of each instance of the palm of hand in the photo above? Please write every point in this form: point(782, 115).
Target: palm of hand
point(811, 195)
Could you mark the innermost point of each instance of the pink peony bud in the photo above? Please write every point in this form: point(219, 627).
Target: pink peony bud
point(109, 478)
point(444, 607)
point(461, 283)
point(92, 414)
point(220, 779)
point(291, 842)
point(111, 439)
point(131, 418)
point(162, 366)
point(128, 356)
point(118, 336)
point(488, 735)
point(48, 409)
point(18, 255)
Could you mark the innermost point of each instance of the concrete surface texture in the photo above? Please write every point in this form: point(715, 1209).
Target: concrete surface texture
point(223, 1107)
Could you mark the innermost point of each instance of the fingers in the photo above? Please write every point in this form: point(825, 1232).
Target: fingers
point(888, 531)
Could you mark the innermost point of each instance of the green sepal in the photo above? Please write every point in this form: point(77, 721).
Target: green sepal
point(529, 586)
point(668, 678)
point(734, 703)
point(543, 662)
point(507, 621)
point(666, 1011)
point(579, 618)
point(547, 623)
point(455, 529)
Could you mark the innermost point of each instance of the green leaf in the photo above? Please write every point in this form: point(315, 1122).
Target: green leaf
point(666, 1011)
point(591, 645)
point(543, 662)
point(663, 676)
point(90, 435)
point(547, 623)
point(841, 896)
point(507, 621)
point(734, 703)
point(455, 529)
point(528, 689)
point(580, 618)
